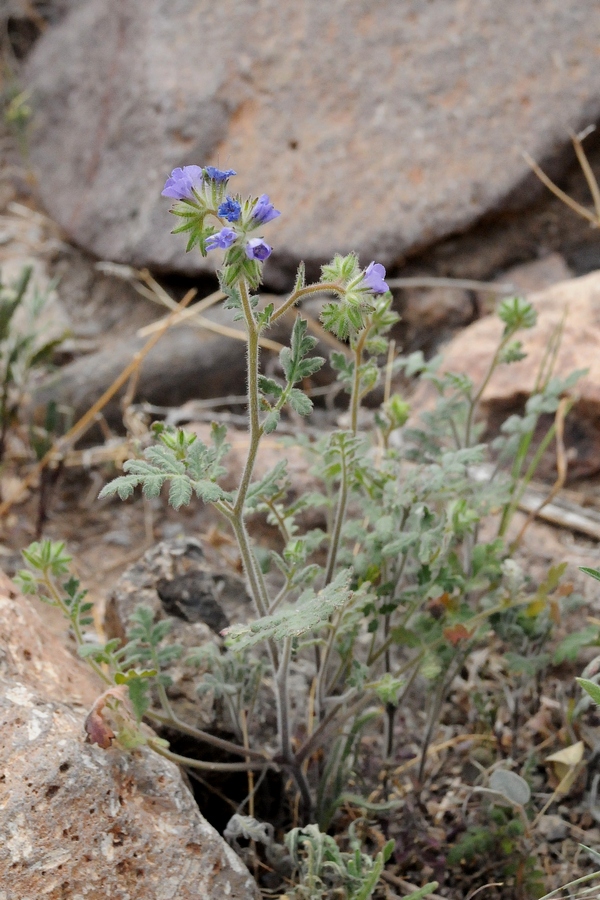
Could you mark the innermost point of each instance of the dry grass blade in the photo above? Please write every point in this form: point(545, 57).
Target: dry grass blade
point(483, 888)
point(458, 284)
point(584, 212)
point(587, 171)
point(435, 748)
point(88, 418)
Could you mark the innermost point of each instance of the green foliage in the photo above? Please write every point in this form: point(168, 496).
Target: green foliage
point(341, 762)
point(504, 836)
point(24, 349)
point(234, 678)
point(324, 872)
point(47, 565)
point(296, 366)
point(17, 112)
point(590, 688)
point(397, 585)
point(308, 613)
point(180, 459)
point(516, 313)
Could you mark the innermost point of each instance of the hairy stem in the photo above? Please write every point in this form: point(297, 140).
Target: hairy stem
point(283, 704)
point(253, 402)
point(235, 514)
point(343, 493)
point(474, 403)
point(356, 395)
point(55, 594)
point(331, 287)
point(338, 522)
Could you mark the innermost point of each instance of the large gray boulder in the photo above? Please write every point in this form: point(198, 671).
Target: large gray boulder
point(374, 125)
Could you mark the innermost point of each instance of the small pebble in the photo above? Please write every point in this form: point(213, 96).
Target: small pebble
point(120, 538)
point(552, 828)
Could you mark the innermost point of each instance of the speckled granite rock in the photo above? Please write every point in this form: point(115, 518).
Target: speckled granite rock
point(83, 823)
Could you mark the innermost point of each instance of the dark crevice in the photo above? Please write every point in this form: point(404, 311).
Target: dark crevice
point(270, 802)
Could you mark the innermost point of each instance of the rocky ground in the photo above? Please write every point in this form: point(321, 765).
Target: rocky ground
point(447, 196)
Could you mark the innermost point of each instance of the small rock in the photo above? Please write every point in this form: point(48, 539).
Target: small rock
point(552, 828)
point(177, 581)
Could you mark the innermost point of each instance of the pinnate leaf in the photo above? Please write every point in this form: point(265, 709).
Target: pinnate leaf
point(308, 613)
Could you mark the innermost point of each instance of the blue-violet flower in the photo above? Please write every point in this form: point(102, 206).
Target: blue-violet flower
point(219, 175)
point(374, 278)
point(222, 239)
point(180, 183)
point(264, 211)
point(257, 249)
point(230, 209)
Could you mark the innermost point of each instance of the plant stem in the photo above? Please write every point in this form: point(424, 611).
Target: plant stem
point(283, 711)
point(331, 287)
point(255, 427)
point(55, 594)
point(204, 736)
point(283, 727)
point(316, 739)
point(338, 522)
point(324, 665)
point(356, 395)
point(475, 400)
point(206, 766)
point(257, 584)
point(235, 514)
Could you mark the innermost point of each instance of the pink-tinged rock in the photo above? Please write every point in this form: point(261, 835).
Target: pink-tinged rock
point(30, 652)
point(373, 125)
point(472, 350)
point(538, 274)
point(80, 822)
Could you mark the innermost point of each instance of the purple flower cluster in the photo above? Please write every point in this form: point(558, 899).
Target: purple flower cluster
point(181, 183)
point(230, 209)
point(263, 211)
point(374, 279)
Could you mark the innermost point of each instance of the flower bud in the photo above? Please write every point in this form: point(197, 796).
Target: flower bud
point(218, 175)
point(397, 411)
point(263, 211)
